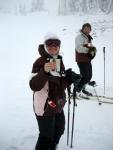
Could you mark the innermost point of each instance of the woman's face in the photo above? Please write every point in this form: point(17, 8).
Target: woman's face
point(53, 46)
point(53, 50)
point(86, 30)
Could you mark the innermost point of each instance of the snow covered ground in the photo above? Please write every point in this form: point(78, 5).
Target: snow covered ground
point(20, 36)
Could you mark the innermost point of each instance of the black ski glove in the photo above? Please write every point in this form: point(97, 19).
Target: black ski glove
point(72, 77)
point(92, 52)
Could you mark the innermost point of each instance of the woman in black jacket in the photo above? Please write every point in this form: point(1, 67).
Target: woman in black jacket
point(49, 84)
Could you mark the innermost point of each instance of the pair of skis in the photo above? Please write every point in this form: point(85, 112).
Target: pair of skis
point(100, 99)
point(73, 114)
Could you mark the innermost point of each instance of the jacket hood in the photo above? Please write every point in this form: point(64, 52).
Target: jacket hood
point(42, 51)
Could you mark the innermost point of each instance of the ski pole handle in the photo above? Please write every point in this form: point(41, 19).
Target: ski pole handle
point(69, 92)
point(104, 50)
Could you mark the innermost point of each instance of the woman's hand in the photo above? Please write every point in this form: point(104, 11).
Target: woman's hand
point(50, 66)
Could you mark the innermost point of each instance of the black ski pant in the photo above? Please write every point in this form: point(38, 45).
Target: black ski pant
point(50, 130)
point(86, 74)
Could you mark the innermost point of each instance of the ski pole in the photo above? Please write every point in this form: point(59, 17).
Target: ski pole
point(104, 68)
point(69, 102)
point(97, 96)
point(73, 118)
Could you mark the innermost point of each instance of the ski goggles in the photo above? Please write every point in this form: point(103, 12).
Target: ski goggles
point(53, 42)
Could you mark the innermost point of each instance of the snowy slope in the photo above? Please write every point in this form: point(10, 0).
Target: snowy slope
point(20, 36)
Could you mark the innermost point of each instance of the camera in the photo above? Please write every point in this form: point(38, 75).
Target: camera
point(56, 71)
point(57, 61)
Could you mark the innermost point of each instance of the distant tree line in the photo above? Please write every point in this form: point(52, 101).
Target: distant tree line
point(65, 7)
point(85, 6)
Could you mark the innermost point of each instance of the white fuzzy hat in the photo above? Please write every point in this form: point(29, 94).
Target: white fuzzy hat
point(50, 35)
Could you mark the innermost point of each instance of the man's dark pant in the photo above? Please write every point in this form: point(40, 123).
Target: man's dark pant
point(86, 73)
point(50, 130)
